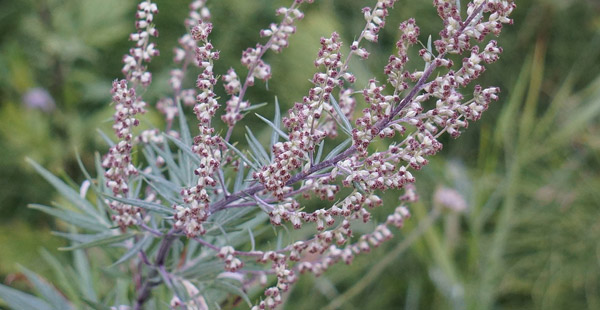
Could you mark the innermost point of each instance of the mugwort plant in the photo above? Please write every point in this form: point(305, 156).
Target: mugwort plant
point(188, 207)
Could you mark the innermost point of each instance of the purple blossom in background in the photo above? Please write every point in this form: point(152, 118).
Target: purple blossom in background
point(39, 98)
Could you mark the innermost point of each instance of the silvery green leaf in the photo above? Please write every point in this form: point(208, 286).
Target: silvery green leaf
point(46, 290)
point(254, 107)
point(71, 217)
point(85, 172)
point(95, 305)
point(150, 206)
point(82, 238)
point(105, 138)
point(279, 243)
point(19, 300)
point(185, 148)
point(62, 281)
point(239, 178)
point(203, 271)
point(84, 276)
point(276, 128)
point(429, 49)
point(252, 241)
point(166, 189)
point(233, 216)
point(184, 130)
point(187, 141)
point(95, 185)
point(338, 149)
point(102, 240)
point(319, 152)
point(257, 148)
point(121, 296)
point(232, 289)
point(277, 123)
point(345, 125)
point(359, 188)
point(100, 177)
point(191, 250)
point(174, 170)
point(67, 192)
point(221, 231)
point(241, 155)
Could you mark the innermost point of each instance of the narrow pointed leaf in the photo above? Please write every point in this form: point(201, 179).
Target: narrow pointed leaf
point(150, 206)
point(185, 148)
point(276, 128)
point(239, 178)
point(338, 149)
point(85, 172)
point(104, 240)
point(241, 155)
point(257, 148)
point(62, 281)
point(69, 193)
point(46, 290)
point(134, 250)
point(82, 238)
point(254, 106)
point(183, 126)
point(342, 117)
point(106, 139)
point(19, 300)
point(163, 187)
point(71, 217)
point(174, 170)
point(95, 305)
point(233, 289)
point(319, 152)
point(276, 123)
point(83, 275)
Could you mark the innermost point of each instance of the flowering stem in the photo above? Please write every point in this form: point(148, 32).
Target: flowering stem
point(249, 81)
point(144, 292)
point(224, 203)
point(377, 269)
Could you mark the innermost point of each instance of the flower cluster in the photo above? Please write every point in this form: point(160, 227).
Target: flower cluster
point(134, 69)
point(456, 33)
point(303, 121)
point(415, 107)
point(127, 105)
point(195, 210)
point(376, 19)
point(185, 55)
point(252, 59)
point(385, 116)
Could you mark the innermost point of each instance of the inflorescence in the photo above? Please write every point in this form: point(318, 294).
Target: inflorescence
point(416, 106)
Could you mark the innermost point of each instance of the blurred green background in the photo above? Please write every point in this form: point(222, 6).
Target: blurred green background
point(528, 170)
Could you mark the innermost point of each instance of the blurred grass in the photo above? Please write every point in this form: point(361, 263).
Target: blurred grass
point(529, 169)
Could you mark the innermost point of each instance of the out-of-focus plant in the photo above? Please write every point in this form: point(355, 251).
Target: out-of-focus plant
point(185, 220)
point(52, 96)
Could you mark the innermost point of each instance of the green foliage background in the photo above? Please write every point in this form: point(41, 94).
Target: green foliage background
point(529, 169)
